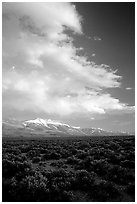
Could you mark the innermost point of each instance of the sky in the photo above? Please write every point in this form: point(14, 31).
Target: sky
point(72, 62)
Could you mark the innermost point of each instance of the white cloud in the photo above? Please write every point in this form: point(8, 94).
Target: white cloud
point(93, 55)
point(97, 38)
point(129, 88)
point(92, 118)
point(48, 75)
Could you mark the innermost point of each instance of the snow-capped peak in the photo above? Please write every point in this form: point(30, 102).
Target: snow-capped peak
point(37, 121)
point(75, 127)
point(45, 122)
point(55, 122)
point(57, 127)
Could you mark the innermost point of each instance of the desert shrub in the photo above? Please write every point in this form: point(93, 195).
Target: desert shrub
point(119, 175)
point(10, 168)
point(31, 188)
point(81, 155)
point(104, 191)
point(94, 167)
point(59, 173)
point(64, 166)
point(54, 155)
point(73, 151)
point(128, 164)
point(43, 151)
point(130, 189)
point(36, 160)
point(82, 180)
point(25, 148)
point(113, 158)
point(79, 165)
point(101, 167)
point(6, 187)
point(45, 157)
point(33, 153)
point(64, 196)
point(72, 160)
point(84, 145)
point(54, 164)
point(14, 150)
point(41, 163)
point(87, 163)
point(65, 153)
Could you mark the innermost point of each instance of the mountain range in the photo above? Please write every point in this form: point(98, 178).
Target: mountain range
point(48, 127)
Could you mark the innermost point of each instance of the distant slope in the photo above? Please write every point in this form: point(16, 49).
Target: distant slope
point(51, 127)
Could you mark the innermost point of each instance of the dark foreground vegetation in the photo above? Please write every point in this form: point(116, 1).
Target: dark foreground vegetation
point(69, 169)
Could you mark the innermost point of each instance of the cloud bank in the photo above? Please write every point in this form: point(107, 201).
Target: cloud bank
point(43, 70)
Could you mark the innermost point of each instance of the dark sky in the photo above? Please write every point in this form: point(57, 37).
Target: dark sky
point(114, 23)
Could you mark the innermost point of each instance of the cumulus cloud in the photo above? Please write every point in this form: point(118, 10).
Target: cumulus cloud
point(97, 38)
point(42, 70)
point(93, 55)
point(129, 88)
point(92, 118)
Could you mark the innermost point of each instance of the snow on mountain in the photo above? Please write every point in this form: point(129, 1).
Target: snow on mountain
point(37, 121)
point(45, 126)
point(46, 122)
point(49, 124)
point(76, 127)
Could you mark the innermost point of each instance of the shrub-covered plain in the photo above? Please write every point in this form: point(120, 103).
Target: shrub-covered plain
point(69, 169)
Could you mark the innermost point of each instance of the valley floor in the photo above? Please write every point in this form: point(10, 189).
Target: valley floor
point(77, 169)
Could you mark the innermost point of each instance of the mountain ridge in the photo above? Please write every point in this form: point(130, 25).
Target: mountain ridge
point(53, 127)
